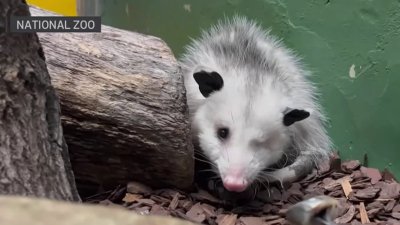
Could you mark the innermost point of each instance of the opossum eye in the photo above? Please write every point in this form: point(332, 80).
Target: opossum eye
point(223, 133)
point(208, 82)
point(294, 115)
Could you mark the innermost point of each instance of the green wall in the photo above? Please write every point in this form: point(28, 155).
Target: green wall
point(351, 46)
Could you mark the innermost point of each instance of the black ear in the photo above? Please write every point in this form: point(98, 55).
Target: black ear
point(294, 115)
point(208, 82)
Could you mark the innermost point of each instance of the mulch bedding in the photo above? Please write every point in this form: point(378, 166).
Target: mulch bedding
point(365, 196)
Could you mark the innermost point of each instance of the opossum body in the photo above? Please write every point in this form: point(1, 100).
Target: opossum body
point(251, 106)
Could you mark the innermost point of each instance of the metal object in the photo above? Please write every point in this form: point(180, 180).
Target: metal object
point(313, 211)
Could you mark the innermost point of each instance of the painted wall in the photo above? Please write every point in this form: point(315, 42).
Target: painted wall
point(353, 48)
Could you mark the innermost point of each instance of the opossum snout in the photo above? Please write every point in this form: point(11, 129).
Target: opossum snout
point(234, 180)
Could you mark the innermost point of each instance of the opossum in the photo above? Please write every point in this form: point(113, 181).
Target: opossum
point(252, 105)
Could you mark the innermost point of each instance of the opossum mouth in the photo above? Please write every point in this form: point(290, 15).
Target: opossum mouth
point(206, 179)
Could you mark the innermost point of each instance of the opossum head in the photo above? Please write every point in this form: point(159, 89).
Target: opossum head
point(242, 128)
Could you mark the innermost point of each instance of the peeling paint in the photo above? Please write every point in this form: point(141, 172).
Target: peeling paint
point(352, 71)
point(187, 7)
point(127, 9)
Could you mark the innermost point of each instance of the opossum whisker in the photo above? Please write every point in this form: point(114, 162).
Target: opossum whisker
point(268, 170)
point(200, 153)
point(205, 161)
point(207, 170)
point(215, 177)
point(265, 184)
point(268, 174)
point(254, 189)
point(286, 159)
point(202, 160)
point(261, 179)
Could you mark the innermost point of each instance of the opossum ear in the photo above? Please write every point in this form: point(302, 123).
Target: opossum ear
point(208, 82)
point(294, 115)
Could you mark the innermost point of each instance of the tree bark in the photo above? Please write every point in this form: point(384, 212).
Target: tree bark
point(31, 211)
point(33, 154)
point(124, 108)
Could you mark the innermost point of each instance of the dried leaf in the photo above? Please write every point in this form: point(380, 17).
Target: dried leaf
point(389, 190)
point(146, 201)
point(374, 205)
point(186, 204)
point(373, 212)
point(346, 186)
point(270, 217)
point(360, 185)
point(137, 188)
point(372, 173)
point(208, 210)
point(174, 202)
point(169, 193)
point(348, 216)
point(363, 213)
point(367, 193)
point(295, 189)
point(273, 222)
point(342, 208)
point(282, 212)
point(118, 194)
point(396, 208)
point(159, 199)
point(251, 220)
point(196, 213)
point(357, 175)
point(388, 176)
point(203, 195)
point(270, 209)
point(159, 210)
point(129, 198)
point(226, 219)
point(350, 166)
point(324, 167)
point(390, 205)
point(336, 175)
point(331, 184)
point(396, 215)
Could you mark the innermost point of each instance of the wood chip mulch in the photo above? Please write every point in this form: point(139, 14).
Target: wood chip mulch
point(365, 196)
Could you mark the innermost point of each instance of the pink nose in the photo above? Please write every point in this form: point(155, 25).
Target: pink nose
point(233, 183)
point(234, 180)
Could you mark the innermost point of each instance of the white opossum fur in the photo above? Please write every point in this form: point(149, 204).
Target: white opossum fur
point(251, 104)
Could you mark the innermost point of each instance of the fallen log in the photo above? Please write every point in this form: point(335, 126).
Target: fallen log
point(32, 211)
point(33, 155)
point(123, 104)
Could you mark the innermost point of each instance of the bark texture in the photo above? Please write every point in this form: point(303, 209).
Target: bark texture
point(124, 108)
point(24, 211)
point(33, 154)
